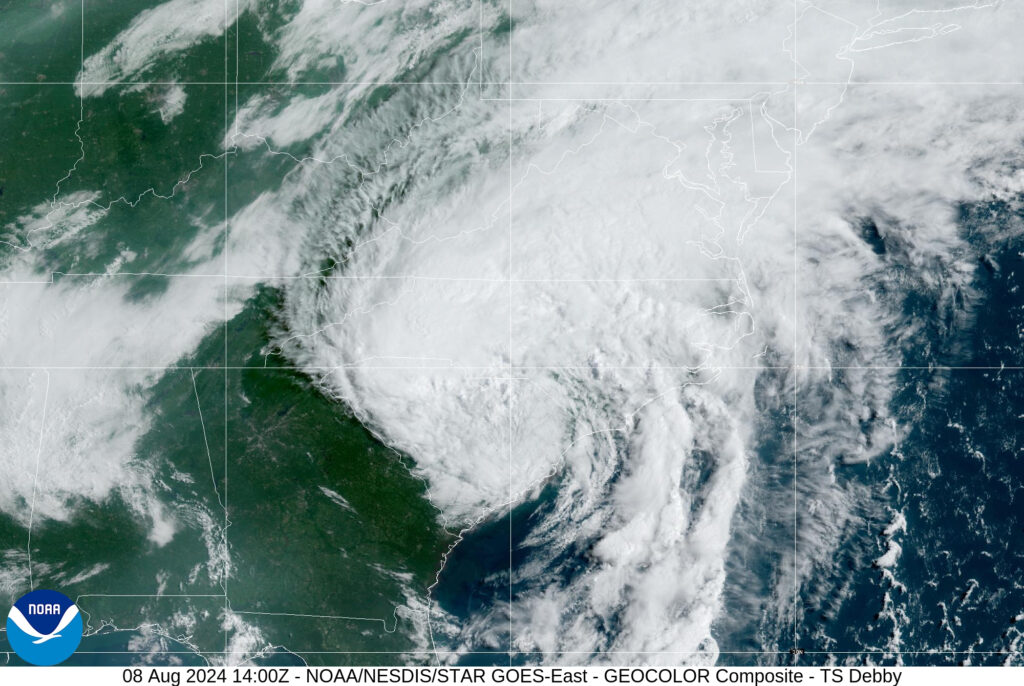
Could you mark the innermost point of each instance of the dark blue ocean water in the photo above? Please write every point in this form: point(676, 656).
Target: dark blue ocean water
point(956, 594)
point(956, 591)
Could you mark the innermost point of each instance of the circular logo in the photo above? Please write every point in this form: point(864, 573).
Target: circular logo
point(44, 627)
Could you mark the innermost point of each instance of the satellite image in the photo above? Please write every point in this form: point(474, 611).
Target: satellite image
point(514, 332)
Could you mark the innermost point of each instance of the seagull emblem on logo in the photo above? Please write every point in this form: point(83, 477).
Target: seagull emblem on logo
point(22, 623)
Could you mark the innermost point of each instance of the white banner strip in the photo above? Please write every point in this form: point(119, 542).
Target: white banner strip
point(246, 676)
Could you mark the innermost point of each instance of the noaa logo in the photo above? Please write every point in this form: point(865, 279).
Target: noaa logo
point(44, 627)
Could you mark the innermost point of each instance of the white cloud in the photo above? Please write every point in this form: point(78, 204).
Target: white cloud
point(154, 34)
point(635, 260)
point(605, 200)
point(171, 102)
point(372, 42)
point(298, 120)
